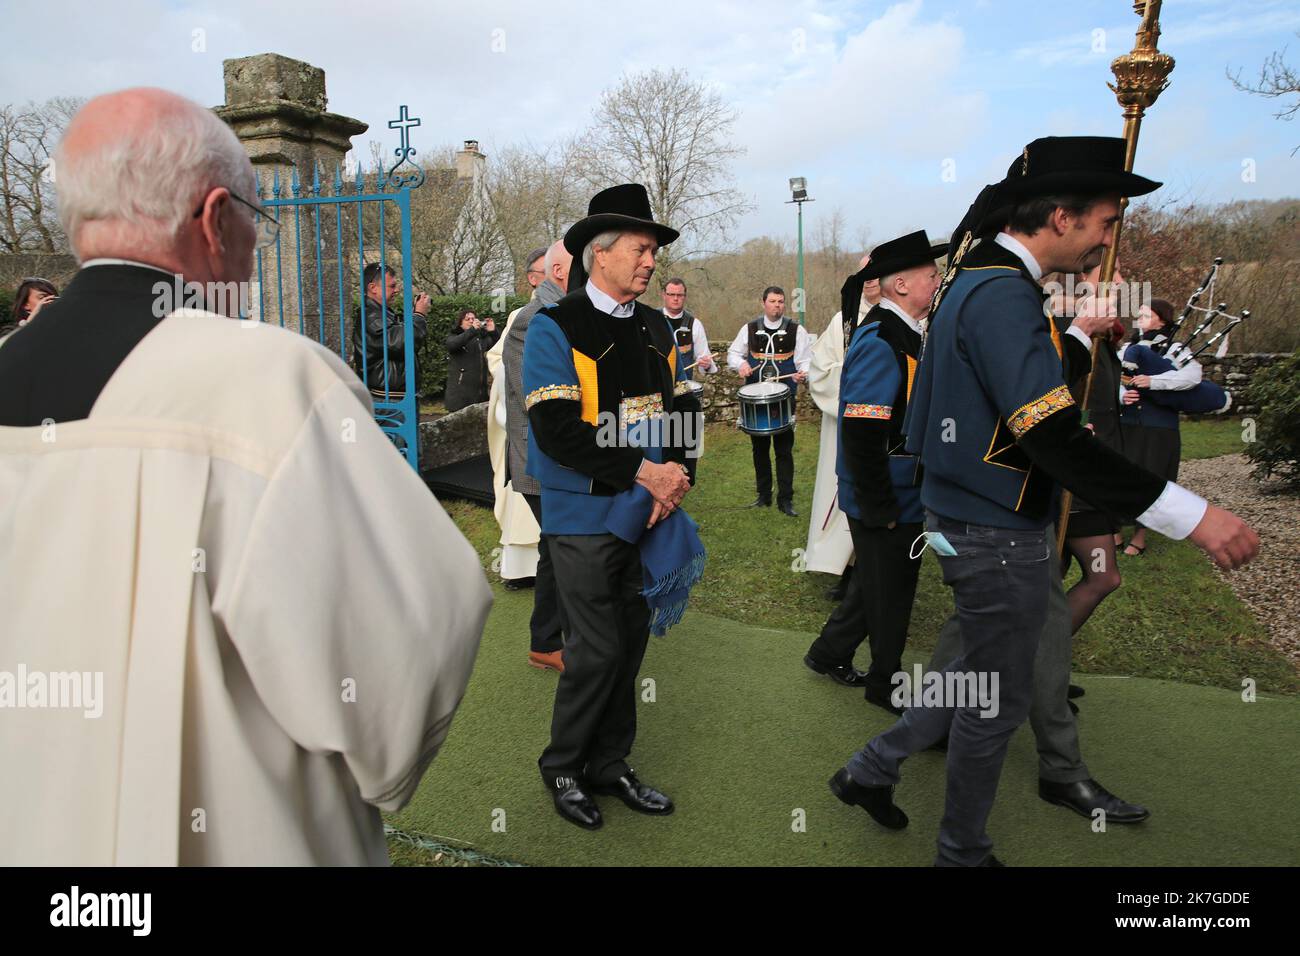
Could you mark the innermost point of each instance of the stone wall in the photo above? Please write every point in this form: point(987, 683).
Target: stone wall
point(1234, 372)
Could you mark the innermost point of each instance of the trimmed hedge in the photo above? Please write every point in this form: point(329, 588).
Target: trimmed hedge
point(443, 310)
point(1276, 449)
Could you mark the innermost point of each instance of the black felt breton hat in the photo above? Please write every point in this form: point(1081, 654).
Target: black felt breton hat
point(905, 252)
point(1086, 165)
point(1052, 165)
point(625, 207)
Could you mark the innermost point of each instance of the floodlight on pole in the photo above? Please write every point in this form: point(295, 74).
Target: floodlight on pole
point(799, 196)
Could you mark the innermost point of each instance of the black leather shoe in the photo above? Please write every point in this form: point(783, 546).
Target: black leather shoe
point(1074, 692)
point(844, 674)
point(992, 860)
point(786, 508)
point(877, 801)
point(1084, 797)
point(1074, 708)
point(519, 584)
point(761, 502)
point(881, 699)
point(574, 804)
point(637, 795)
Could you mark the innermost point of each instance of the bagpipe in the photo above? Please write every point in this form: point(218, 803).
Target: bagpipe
point(1160, 351)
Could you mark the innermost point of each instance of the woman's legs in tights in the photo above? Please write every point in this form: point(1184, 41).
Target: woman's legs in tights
point(1096, 557)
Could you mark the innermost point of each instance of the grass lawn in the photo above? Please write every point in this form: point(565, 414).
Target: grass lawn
point(744, 737)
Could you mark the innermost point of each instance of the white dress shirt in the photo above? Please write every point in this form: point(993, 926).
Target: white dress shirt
point(608, 304)
point(897, 309)
point(699, 341)
point(739, 350)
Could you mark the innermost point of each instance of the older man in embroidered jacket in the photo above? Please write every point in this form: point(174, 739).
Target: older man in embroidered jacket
point(595, 358)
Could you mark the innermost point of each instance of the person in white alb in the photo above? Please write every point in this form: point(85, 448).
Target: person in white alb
point(280, 615)
point(830, 548)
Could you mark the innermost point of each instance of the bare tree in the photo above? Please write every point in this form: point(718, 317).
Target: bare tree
point(536, 193)
point(673, 134)
point(1276, 79)
point(28, 135)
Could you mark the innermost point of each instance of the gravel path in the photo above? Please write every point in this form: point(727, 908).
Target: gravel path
point(1269, 585)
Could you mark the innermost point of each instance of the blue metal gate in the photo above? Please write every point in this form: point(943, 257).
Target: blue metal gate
point(296, 288)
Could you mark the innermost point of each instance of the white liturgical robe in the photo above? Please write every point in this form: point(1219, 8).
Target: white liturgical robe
point(829, 544)
point(278, 615)
point(519, 530)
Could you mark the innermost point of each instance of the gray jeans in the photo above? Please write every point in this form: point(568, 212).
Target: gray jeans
point(1056, 731)
point(1000, 580)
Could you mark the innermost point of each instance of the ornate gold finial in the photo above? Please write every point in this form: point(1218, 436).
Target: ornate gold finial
point(1142, 75)
point(1024, 162)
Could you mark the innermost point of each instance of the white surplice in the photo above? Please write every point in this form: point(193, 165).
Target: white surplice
point(829, 545)
point(519, 530)
point(281, 616)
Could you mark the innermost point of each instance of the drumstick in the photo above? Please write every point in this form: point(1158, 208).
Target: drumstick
point(697, 362)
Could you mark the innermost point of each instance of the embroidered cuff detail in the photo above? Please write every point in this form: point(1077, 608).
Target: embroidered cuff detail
point(868, 411)
point(572, 393)
point(1032, 413)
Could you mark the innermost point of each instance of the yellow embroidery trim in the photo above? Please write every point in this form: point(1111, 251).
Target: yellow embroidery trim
point(571, 393)
point(774, 356)
point(585, 366)
point(1031, 413)
point(638, 408)
point(852, 410)
point(911, 374)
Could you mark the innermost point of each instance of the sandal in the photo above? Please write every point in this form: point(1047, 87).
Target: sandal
point(1138, 552)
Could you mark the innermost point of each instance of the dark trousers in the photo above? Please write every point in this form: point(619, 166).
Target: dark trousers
point(593, 724)
point(878, 604)
point(784, 443)
point(546, 625)
point(1056, 729)
point(1000, 580)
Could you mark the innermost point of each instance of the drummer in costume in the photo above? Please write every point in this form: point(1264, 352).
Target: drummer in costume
point(771, 347)
point(830, 547)
point(996, 429)
point(595, 357)
point(692, 355)
point(879, 482)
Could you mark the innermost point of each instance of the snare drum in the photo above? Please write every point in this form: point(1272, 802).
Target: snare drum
point(766, 408)
point(696, 390)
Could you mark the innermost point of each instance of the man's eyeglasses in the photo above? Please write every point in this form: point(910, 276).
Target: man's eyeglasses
point(267, 226)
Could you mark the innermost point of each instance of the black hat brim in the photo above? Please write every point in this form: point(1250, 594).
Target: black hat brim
point(585, 230)
point(1086, 183)
point(876, 269)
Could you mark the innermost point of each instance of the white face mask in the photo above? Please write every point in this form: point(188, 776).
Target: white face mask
point(931, 539)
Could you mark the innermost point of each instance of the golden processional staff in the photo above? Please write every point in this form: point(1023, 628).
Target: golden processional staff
point(1140, 77)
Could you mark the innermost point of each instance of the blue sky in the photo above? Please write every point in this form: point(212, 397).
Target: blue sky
point(871, 101)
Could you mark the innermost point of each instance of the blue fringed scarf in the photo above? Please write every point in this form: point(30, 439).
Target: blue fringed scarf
point(672, 555)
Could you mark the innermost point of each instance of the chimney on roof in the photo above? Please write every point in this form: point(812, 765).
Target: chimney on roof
point(470, 162)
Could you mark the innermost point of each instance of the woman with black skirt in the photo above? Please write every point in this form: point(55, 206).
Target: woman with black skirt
point(1151, 436)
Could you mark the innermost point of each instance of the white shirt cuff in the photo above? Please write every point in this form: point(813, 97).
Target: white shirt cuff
point(1079, 334)
point(1175, 514)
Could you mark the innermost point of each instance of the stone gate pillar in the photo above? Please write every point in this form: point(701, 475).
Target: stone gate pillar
point(276, 106)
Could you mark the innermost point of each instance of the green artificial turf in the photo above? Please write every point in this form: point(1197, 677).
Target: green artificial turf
point(744, 738)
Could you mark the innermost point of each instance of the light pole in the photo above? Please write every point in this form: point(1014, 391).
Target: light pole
point(799, 192)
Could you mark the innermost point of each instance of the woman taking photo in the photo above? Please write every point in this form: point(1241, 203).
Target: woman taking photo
point(31, 295)
point(467, 348)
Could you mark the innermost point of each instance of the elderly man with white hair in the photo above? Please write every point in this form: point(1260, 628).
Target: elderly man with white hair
point(272, 619)
point(599, 356)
